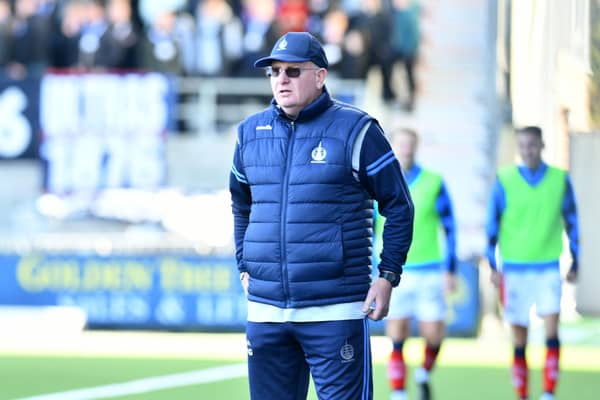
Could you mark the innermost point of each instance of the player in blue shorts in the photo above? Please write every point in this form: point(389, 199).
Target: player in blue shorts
point(305, 173)
point(429, 271)
point(531, 205)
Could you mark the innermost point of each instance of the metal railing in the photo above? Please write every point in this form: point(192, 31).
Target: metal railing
point(208, 104)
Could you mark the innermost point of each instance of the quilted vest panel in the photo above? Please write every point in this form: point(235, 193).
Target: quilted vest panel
point(308, 241)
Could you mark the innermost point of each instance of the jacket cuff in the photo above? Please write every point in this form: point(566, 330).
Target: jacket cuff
point(385, 267)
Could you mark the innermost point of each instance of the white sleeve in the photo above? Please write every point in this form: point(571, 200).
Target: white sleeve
point(360, 138)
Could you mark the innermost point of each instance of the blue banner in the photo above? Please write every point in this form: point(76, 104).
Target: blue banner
point(106, 131)
point(130, 291)
point(167, 291)
point(19, 124)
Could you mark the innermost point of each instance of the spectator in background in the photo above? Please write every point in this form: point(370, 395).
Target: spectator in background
point(406, 38)
point(531, 205)
point(47, 7)
point(167, 45)
point(91, 52)
point(291, 16)
point(235, 5)
point(354, 8)
point(317, 10)
point(378, 23)
point(64, 40)
point(335, 24)
point(5, 33)
point(122, 39)
point(258, 18)
point(29, 41)
point(345, 46)
point(218, 38)
point(428, 272)
point(150, 10)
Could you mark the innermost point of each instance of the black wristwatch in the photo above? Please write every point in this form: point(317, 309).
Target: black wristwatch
point(390, 276)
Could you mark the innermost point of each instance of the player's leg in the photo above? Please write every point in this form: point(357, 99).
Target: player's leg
point(518, 299)
point(520, 371)
point(402, 309)
point(431, 312)
point(433, 332)
point(551, 364)
point(276, 365)
point(548, 307)
point(398, 330)
point(339, 355)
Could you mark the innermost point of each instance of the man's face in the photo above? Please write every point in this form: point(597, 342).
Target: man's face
point(530, 148)
point(294, 93)
point(405, 148)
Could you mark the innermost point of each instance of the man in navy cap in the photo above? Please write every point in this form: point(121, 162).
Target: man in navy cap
point(305, 173)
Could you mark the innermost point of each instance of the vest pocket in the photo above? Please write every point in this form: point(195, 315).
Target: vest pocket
point(319, 256)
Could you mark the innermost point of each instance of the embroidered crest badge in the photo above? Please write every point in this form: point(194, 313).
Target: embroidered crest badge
point(318, 154)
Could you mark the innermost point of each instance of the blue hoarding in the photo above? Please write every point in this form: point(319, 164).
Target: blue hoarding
point(166, 291)
point(462, 318)
point(135, 291)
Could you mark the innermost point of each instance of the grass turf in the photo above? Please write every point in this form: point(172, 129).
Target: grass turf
point(455, 378)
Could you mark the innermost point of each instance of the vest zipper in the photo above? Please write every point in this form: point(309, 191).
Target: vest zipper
point(284, 195)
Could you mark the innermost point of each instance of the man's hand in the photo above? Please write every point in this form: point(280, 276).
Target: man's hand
point(449, 283)
point(572, 276)
point(379, 293)
point(244, 279)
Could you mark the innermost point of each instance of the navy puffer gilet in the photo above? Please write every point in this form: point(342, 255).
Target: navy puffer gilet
point(308, 241)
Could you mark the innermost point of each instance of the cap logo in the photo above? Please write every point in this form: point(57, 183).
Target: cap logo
point(282, 44)
point(295, 47)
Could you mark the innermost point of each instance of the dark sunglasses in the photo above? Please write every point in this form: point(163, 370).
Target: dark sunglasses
point(290, 72)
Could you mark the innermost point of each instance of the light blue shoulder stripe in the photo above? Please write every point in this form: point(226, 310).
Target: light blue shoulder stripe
point(380, 160)
point(240, 177)
point(384, 164)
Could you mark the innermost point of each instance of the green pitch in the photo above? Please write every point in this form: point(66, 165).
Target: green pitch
point(467, 369)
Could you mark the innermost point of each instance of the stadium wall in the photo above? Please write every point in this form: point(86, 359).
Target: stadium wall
point(585, 164)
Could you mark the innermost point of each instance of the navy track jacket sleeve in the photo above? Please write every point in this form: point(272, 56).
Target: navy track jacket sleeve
point(494, 215)
point(443, 205)
point(241, 201)
point(569, 214)
point(382, 177)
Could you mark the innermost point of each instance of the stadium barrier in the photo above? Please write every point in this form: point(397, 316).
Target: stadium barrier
point(171, 291)
point(207, 104)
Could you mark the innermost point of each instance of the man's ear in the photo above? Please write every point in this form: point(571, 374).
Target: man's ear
point(321, 78)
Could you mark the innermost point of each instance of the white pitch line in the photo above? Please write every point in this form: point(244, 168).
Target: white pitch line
point(149, 384)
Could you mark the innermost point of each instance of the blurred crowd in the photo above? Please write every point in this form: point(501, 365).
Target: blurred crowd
point(204, 37)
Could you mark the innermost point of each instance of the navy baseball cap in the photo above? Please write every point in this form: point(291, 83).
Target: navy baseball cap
point(295, 47)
